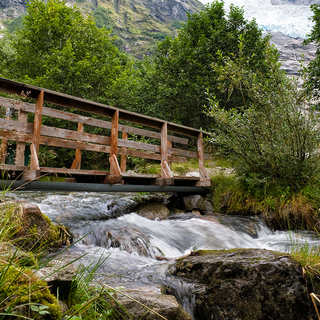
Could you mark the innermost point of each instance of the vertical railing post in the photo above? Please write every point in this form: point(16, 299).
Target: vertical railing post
point(166, 174)
point(21, 146)
point(123, 164)
point(204, 177)
point(76, 164)
point(115, 172)
point(34, 170)
point(4, 142)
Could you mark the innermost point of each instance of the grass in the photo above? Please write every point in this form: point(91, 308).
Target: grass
point(281, 207)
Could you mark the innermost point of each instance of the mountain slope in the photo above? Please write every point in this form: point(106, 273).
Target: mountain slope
point(138, 24)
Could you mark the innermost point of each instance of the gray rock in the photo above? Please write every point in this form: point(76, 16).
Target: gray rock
point(58, 278)
point(245, 284)
point(194, 202)
point(165, 305)
point(208, 207)
point(153, 210)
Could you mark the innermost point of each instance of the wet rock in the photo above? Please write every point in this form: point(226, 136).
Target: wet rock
point(131, 240)
point(194, 202)
point(153, 210)
point(165, 305)
point(245, 284)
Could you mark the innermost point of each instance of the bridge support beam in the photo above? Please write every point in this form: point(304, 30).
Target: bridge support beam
point(204, 177)
point(76, 164)
point(34, 170)
point(166, 173)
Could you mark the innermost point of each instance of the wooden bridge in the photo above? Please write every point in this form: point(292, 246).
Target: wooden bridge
point(14, 127)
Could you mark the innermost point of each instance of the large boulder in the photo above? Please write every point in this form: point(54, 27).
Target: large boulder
point(245, 284)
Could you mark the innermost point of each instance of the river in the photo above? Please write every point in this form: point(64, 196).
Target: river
point(131, 243)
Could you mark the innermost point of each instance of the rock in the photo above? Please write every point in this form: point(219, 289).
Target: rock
point(208, 207)
point(58, 278)
point(194, 202)
point(165, 305)
point(245, 284)
point(153, 210)
point(130, 240)
point(33, 229)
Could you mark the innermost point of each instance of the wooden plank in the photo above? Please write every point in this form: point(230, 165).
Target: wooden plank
point(76, 164)
point(28, 107)
point(165, 169)
point(123, 162)
point(128, 175)
point(112, 179)
point(61, 99)
point(21, 146)
point(71, 172)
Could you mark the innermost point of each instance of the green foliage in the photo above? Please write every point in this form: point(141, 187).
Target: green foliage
point(173, 83)
point(59, 49)
point(313, 70)
point(273, 136)
point(14, 24)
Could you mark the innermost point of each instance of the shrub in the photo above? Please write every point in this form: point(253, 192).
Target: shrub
point(274, 138)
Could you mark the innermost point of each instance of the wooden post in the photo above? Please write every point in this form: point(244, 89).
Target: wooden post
point(21, 146)
point(34, 171)
point(123, 156)
point(204, 177)
point(169, 143)
point(76, 164)
point(115, 171)
point(166, 174)
point(4, 142)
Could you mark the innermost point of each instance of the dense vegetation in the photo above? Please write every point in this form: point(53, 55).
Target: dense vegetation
point(218, 63)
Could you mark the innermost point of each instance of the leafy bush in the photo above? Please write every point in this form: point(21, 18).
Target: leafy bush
point(273, 137)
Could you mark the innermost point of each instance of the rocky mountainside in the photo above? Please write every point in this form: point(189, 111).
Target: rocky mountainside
point(292, 52)
point(139, 24)
point(295, 2)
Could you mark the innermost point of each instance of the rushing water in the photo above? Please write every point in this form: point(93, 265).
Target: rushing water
point(131, 243)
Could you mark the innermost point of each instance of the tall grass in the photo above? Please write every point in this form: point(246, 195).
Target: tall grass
point(281, 207)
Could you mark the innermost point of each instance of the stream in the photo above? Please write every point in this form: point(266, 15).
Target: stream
point(131, 244)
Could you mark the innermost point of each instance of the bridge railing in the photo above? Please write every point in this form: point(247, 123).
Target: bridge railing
point(37, 134)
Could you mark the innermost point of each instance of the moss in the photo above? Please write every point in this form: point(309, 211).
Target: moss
point(22, 287)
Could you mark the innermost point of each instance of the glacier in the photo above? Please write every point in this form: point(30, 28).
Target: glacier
point(290, 20)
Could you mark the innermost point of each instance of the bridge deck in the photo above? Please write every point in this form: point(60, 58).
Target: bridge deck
point(24, 126)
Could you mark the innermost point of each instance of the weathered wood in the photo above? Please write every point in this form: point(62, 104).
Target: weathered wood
point(30, 175)
point(123, 164)
point(76, 164)
point(34, 158)
point(4, 142)
point(70, 172)
point(169, 144)
point(204, 177)
point(164, 182)
point(114, 165)
point(112, 179)
point(140, 175)
point(28, 107)
point(21, 146)
point(81, 145)
point(165, 169)
point(37, 120)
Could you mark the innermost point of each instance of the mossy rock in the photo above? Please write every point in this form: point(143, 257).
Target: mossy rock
point(20, 288)
point(246, 284)
point(33, 231)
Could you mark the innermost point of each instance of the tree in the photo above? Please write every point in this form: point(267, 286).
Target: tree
point(174, 82)
point(60, 49)
point(313, 69)
point(273, 137)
